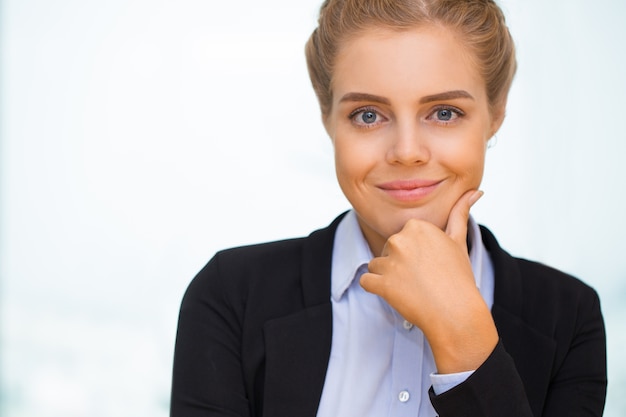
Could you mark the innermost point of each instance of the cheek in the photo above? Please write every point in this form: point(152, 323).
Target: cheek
point(342, 163)
point(353, 161)
point(466, 160)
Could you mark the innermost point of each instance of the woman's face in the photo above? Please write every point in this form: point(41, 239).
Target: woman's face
point(409, 123)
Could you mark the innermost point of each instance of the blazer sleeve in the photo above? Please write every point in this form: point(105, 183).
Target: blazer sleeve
point(207, 376)
point(494, 389)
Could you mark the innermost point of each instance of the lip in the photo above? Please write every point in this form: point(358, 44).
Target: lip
point(409, 190)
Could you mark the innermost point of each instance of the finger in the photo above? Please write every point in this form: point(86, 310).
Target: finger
point(371, 282)
point(459, 216)
point(375, 266)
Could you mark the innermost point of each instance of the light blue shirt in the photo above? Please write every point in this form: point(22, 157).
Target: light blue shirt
point(380, 364)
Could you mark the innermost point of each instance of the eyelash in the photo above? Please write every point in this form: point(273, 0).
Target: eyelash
point(356, 112)
point(455, 110)
point(458, 112)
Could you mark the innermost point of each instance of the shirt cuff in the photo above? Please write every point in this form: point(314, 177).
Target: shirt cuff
point(444, 382)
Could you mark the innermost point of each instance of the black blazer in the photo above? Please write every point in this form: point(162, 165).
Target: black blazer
point(255, 328)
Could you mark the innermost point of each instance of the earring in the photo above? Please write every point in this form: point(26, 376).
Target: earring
point(492, 142)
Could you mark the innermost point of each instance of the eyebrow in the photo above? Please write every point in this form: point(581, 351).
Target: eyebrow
point(364, 97)
point(448, 95)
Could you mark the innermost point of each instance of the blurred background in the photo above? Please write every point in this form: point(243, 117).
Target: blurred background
point(138, 137)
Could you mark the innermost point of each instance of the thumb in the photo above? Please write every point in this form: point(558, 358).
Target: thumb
point(459, 215)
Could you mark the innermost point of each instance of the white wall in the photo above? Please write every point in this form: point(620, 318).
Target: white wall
point(138, 137)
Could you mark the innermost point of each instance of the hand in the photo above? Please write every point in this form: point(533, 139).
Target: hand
point(425, 274)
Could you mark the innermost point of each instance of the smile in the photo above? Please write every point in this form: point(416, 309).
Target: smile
point(409, 190)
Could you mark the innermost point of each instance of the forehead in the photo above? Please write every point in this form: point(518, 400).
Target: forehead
point(422, 61)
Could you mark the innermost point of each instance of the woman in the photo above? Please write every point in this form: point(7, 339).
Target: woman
point(402, 306)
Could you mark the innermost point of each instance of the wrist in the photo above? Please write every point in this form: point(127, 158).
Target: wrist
point(463, 343)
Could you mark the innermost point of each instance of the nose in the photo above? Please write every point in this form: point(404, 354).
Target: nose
point(408, 145)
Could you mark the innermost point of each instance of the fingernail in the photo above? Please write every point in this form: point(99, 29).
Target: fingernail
point(475, 197)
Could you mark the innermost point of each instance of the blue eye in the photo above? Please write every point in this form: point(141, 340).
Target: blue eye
point(368, 117)
point(444, 114)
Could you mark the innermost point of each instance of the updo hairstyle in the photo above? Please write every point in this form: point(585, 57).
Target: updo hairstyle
point(479, 24)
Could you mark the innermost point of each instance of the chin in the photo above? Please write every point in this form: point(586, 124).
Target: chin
point(433, 218)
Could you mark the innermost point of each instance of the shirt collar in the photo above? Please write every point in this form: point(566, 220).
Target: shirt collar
point(351, 252)
point(477, 250)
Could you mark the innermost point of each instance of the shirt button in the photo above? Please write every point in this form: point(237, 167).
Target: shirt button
point(404, 396)
point(407, 325)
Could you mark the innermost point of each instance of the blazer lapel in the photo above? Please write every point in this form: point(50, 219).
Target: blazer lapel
point(298, 346)
point(532, 352)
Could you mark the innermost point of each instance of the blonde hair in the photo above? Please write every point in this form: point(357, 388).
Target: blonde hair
point(480, 24)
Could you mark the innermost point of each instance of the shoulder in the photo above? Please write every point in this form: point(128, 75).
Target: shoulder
point(278, 256)
point(532, 274)
point(553, 293)
point(551, 280)
point(238, 271)
point(260, 257)
point(537, 292)
point(266, 269)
